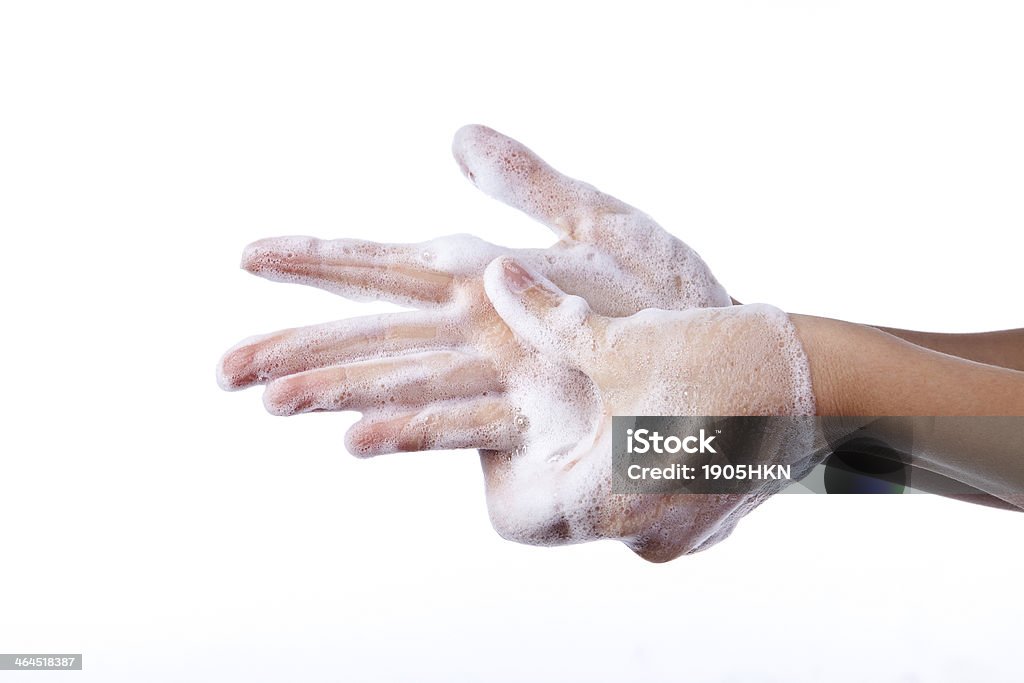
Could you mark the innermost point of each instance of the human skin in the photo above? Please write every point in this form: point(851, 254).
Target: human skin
point(562, 371)
point(612, 254)
point(861, 370)
point(448, 376)
point(1002, 348)
point(875, 370)
point(444, 377)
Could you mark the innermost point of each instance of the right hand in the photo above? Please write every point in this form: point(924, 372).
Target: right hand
point(584, 368)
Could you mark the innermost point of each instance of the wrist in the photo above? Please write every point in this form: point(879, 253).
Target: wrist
point(861, 370)
point(821, 344)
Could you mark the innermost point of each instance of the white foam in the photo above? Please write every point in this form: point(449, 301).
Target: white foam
point(743, 360)
point(554, 487)
point(625, 261)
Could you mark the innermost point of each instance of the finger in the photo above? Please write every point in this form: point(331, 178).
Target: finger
point(407, 381)
point(359, 270)
point(484, 423)
point(259, 359)
point(508, 171)
point(557, 324)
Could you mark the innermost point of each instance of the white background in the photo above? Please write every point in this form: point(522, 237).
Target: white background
point(859, 160)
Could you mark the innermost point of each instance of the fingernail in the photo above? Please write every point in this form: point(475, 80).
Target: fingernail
point(517, 277)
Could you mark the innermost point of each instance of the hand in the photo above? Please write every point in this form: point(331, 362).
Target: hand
point(441, 377)
point(556, 486)
point(615, 256)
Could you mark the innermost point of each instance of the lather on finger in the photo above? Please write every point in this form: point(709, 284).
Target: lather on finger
point(559, 325)
point(408, 382)
point(487, 423)
point(356, 269)
point(671, 274)
point(260, 359)
point(510, 172)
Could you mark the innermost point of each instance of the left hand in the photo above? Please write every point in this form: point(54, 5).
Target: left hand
point(613, 255)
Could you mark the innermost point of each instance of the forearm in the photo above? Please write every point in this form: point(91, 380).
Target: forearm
point(1004, 348)
point(861, 371)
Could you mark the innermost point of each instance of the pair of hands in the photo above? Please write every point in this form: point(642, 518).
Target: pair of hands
point(526, 355)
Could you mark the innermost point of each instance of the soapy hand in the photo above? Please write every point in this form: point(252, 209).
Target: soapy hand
point(437, 367)
point(461, 374)
point(556, 486)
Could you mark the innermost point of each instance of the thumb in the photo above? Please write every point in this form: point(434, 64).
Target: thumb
point(557, 324)
point(510, 172)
